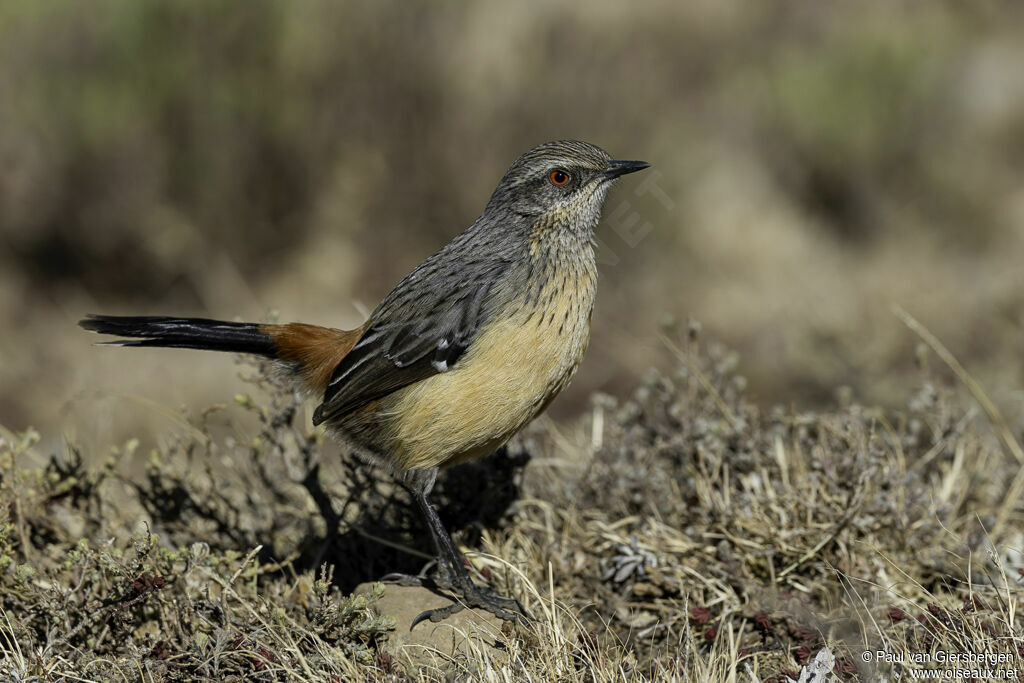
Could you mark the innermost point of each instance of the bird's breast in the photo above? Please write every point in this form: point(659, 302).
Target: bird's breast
point(517, 363)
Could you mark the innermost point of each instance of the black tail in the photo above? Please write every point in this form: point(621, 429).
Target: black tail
point(183, 333)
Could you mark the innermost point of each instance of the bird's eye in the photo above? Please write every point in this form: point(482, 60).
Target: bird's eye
point(558, 177)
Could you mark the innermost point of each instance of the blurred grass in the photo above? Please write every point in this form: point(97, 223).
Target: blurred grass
point(813, 164)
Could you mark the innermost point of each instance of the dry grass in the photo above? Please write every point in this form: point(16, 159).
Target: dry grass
point(680, 535)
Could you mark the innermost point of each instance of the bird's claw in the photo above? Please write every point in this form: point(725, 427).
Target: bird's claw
point(467, 594)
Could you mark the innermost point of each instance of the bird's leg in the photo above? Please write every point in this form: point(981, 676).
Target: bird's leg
point(452, 575)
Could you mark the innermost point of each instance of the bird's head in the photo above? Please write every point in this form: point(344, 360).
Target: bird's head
point(560, 186)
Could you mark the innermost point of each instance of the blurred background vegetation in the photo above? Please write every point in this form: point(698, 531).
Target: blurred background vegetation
point(814, 164)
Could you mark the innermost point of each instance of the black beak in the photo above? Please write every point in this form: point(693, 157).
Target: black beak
point(617, 168)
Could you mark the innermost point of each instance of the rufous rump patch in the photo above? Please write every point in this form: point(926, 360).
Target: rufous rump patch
point(318, 350)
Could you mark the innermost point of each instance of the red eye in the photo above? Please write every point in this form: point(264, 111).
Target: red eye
point(559, 177)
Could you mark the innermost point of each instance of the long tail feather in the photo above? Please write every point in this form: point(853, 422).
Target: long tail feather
point(183, 333)
point(309, 352)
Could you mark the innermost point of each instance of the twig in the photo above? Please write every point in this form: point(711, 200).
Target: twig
point(391, 544)
point(702, 378)
point(228, 586)
point(323, 503)
point(852, 509)
point(245, 563)
point(1009, 442)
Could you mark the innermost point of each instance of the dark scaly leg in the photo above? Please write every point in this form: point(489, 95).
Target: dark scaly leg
point(452, 576)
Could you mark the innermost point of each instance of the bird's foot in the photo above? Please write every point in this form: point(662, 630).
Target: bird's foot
point(466, 594)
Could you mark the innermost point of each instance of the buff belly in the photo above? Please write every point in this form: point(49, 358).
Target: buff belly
point(509, 375)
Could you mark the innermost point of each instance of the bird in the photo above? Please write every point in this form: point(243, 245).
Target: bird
point(467, 349)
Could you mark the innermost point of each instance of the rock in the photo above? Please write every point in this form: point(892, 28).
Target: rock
point(433, 643)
